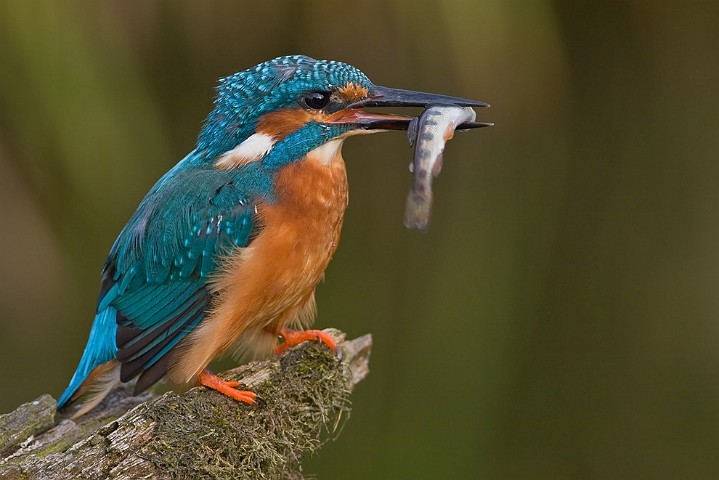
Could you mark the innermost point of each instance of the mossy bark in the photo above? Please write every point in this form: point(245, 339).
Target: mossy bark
point(198, 434)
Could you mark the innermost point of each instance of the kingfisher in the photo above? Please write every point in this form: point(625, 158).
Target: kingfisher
point(224, 252)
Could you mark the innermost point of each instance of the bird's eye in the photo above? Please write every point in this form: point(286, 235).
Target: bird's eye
point(316, 100)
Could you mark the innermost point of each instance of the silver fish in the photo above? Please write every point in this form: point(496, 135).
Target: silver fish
point(430, 131)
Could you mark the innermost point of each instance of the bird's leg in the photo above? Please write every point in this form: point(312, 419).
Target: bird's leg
point(295, 337)
point(210, 380)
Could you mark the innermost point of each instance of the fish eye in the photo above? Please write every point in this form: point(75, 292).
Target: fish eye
point(315, 100)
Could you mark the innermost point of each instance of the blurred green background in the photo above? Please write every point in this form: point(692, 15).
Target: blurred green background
point(559, 320)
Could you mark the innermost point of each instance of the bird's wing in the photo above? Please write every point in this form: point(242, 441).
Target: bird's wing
point(157, 273)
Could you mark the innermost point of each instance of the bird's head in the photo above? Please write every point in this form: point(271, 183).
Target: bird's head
point(282, 109)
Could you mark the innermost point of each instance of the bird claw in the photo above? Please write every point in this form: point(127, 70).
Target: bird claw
point(295, 337)
point(210, 380)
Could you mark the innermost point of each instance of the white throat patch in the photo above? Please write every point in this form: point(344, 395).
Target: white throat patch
point(251, 150)
point(327, 152)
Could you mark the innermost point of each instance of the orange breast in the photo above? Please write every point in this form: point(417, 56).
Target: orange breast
point(271, 283)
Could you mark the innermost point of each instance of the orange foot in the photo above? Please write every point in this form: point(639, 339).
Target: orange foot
point(210, 380)
point(295, 337)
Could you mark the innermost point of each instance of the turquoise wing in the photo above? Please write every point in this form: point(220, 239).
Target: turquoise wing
point(154, 283)
point(160, 302)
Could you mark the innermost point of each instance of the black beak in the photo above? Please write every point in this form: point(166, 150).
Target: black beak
point(397, 97)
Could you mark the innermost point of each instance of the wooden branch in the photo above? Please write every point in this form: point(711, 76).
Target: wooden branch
point(197, 434)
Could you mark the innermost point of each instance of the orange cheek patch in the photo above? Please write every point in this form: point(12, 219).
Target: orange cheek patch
point(281, 123)
point(353, 92)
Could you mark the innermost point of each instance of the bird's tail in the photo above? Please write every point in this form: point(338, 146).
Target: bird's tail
point(99, 351)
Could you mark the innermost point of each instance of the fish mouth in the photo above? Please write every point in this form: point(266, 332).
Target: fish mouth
point(355, 115)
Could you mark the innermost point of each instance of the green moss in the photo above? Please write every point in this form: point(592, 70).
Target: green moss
point(304, 397)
